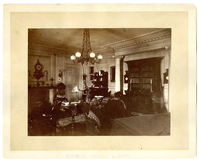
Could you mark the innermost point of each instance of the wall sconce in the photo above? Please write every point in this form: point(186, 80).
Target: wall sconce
point(166, 76)
point(126, 78)
point(61, 74)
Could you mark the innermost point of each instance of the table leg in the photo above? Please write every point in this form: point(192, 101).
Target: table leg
point(73, 119)
point(73, 123)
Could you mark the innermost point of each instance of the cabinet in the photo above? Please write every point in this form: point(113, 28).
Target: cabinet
point(143, 101)
point(100, 84)
point(144, 74)
point(100, 79)
point(144, 86)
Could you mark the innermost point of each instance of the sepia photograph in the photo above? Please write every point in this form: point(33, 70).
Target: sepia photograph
point(73, 90)
point(99, 81)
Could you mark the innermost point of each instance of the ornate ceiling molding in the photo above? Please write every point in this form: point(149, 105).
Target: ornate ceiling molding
point(137, 42)
point(148, 38)
point(105, 51)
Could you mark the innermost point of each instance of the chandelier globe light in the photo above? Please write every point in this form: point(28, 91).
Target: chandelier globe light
point(87, 55)
point(78, 54)
point(100, 57)
point(73, 57)
point(92, 55)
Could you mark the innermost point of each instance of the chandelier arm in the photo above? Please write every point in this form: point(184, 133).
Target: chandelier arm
point(98, 60)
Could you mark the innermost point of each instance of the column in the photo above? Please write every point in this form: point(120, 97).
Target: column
point(119, 73)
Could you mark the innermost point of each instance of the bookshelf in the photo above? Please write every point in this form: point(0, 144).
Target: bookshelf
point(144, 74)
point(100, 79)
point(144, 86)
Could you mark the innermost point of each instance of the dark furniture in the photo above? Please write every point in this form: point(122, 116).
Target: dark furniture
point(143, 101)
point(97, 123)
point(38, 96)
point(100, 79)
point(144, 92)
point(39, 111)
point(66, 118)
point(144, 74)
point(98, 91)
point(100, 84)
point(91, 126)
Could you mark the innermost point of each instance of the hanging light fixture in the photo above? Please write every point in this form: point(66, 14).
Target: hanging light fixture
point(87, 54)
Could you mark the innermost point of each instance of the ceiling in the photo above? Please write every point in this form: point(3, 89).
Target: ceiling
point(71, 39)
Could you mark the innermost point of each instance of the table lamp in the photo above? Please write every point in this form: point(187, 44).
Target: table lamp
point(76, 89)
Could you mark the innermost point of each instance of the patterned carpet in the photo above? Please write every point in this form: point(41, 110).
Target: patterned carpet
point(63, 122)
point(64, 127)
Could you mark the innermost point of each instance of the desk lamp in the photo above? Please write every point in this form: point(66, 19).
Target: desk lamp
point(76, 89)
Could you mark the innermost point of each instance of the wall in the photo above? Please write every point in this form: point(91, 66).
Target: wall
point(52, 61)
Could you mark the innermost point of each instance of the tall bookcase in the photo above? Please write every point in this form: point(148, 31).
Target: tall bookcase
point(144, 86)
point(144, 74)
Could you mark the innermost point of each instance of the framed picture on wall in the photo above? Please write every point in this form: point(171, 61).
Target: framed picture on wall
point(91, 70)
point(112, 73)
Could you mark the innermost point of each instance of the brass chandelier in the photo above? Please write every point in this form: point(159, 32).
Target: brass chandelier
point(87, 54)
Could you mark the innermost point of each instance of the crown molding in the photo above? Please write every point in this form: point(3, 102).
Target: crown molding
point(145, 47)
point(141, 40)
point(105, 51)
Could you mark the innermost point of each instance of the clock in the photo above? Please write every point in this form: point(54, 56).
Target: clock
point(38, 67)
point(38, 70)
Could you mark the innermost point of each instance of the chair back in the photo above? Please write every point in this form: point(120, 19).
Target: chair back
point(91, 126)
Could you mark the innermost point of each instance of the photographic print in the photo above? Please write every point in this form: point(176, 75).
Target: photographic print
point(136, 108)
point(114, 81)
